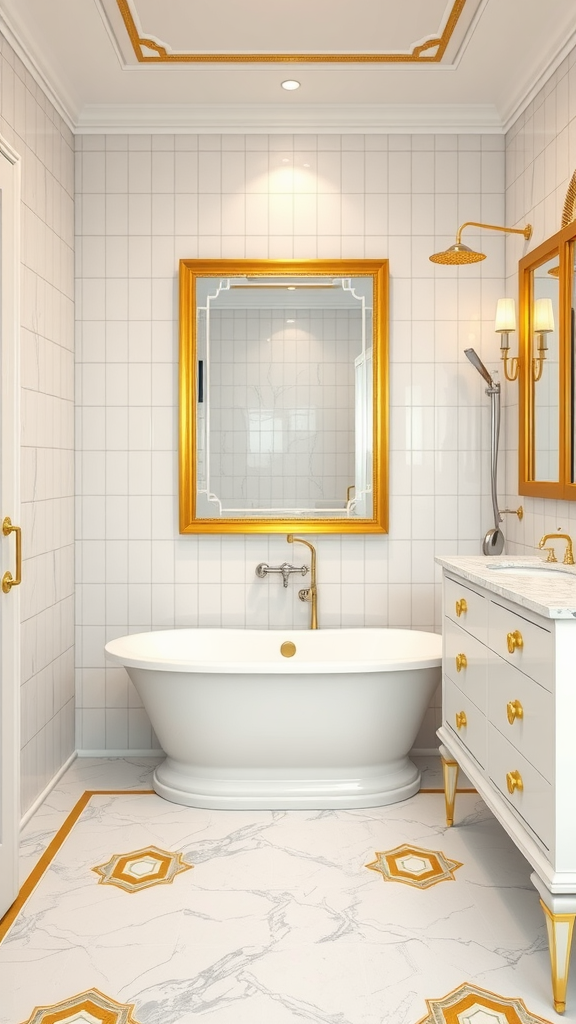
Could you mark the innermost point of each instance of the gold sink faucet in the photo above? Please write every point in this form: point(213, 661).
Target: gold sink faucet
point(568, 554)
point(311, 594)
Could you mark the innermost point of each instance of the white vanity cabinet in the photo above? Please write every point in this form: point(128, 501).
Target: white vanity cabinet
point(509, 720)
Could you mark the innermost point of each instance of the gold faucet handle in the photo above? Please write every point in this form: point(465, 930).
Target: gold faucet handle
point(568, 555)
point(551, 555)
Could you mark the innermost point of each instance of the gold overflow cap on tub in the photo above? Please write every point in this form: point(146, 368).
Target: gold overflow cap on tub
point(288, 649)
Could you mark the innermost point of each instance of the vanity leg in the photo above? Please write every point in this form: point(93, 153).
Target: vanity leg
point(450, 770)
point(559, 913)
point(560, 928)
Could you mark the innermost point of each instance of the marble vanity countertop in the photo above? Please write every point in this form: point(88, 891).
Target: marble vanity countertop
point(554, 598)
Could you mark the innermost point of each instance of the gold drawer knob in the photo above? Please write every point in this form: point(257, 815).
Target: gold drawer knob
point(461, 720)
point(514, 781)
point(461, 607)
point(461, 662)
point(514, 641)
point(514, 710)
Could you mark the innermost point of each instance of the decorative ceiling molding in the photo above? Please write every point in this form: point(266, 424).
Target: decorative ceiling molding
point(273, 119)
point(535, 80)
point(444, 24)
point(51, 89)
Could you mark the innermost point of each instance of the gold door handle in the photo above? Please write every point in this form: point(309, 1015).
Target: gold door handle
point(514, 710)
point(461, 607)
point(514, 641)
point(8, 581)
point(461, 662)
point(461, 720)
point(514, 781)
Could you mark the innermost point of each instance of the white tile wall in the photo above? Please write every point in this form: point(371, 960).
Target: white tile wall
point(37, 133)
point(540, 160)
point(143, 202)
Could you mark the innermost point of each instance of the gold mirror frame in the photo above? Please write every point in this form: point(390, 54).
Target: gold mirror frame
point(190, 271)
point(563, 245)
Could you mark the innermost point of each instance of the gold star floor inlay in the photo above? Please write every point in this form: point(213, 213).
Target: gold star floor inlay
point(413, 865)
point(468, 1004)
point(90, 1007)
point(141, 869)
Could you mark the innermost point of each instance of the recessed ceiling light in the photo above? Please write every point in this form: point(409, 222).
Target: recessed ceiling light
point(291, 287)
point(289, 321)
point(290, 84)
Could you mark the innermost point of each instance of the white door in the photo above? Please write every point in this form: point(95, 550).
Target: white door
point(9, 507)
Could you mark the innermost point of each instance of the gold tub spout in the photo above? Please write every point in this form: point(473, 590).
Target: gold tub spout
point(568, 554)
point(311, 594)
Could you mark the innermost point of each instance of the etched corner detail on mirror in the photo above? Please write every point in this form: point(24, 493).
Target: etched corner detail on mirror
point(283, 396)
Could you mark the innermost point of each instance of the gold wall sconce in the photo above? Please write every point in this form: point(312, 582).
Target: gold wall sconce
point(543, 325)
point(459, 253)
point(505, 325)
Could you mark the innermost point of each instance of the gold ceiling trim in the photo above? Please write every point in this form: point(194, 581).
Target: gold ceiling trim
point(418, 54)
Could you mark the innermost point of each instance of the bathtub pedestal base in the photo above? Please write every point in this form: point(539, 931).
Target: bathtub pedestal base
point(285, 789)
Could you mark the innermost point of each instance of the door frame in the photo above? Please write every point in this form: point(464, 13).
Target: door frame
point(10, 675)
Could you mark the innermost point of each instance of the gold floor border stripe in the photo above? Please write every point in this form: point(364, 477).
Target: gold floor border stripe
point(64, 831)
point(52, 849)
point(471, 790)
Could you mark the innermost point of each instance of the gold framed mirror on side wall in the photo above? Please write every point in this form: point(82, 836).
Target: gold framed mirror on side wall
point(283, 396)
point(547, 441)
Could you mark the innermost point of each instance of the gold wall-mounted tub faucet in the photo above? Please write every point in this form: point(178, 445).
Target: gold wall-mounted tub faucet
point(311, 594)
point(569, 552)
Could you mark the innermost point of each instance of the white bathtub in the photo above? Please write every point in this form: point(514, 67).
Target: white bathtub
point(242, 726)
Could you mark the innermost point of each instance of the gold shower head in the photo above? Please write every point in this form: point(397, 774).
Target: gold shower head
point(456, 254)
point(459, 253)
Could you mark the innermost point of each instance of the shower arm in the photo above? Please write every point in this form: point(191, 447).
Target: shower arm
point(527, 231)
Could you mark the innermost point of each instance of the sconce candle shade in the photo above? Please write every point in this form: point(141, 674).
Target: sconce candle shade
point(505, 316)
point(543, 316)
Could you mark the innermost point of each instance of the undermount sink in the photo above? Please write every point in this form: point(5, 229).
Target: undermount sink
point(533, 570)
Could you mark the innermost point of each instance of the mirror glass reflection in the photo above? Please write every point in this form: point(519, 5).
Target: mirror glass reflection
point(284, 407)
point(545, 323)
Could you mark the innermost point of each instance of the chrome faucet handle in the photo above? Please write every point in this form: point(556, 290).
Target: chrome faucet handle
point(285, 570)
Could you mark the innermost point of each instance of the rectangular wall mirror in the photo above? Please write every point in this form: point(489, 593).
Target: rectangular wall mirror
point(283, 396)
point(547, 449)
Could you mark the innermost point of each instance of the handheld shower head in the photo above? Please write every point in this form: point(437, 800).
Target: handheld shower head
point(479, 365)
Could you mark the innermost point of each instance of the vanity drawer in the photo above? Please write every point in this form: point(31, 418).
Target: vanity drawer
point(467, 608)
point(465, 662)
point(535, 801)
point(465, 720)
point(522, 643)
point(512, 695)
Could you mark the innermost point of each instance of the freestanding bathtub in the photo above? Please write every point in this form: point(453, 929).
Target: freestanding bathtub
point(284, 718)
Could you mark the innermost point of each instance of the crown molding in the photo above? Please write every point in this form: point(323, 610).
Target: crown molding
point(535, 81)
point(53, 91)
point(275, 119)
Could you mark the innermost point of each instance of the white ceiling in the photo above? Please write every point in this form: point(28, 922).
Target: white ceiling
point(217, 66)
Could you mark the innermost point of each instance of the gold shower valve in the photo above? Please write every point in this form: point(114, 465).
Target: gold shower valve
point(461, 720)
point(514, 710)
point(461, 607)
point(514, 781)
point(461, 662)
point(514, 641)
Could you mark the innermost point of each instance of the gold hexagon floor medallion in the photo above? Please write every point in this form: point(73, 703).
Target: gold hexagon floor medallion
point(468, 1004)
point(413, 865)
point(140, 869)
point(90, 1007)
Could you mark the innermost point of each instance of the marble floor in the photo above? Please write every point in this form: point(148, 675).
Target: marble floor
point(153, 913)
